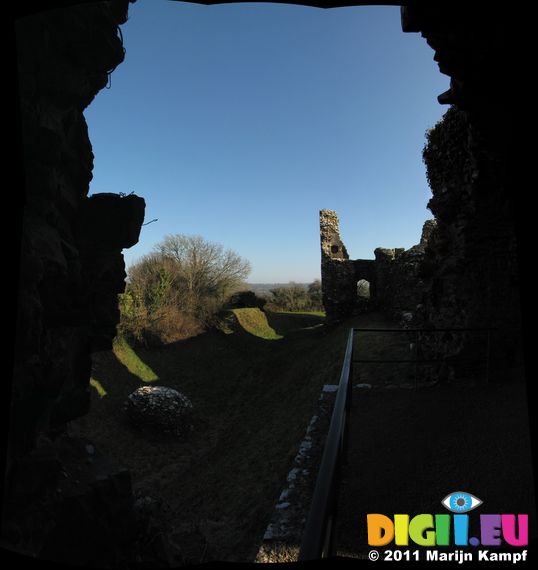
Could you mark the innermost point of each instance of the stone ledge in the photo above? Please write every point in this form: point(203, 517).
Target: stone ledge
point(283, 534)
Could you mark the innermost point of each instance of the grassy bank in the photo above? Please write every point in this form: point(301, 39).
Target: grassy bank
point(253, 391)
point(255, 322)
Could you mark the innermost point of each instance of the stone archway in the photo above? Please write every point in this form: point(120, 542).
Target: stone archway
point(363, 288)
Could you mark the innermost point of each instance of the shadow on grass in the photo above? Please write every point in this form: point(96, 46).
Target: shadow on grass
point(254, 321)
point(111, 377)
point(98, 387)
point(252, 399)
point(132, 361)
point(286, 322)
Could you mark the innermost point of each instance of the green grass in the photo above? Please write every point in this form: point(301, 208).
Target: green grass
point(292, 323)
point(98, 386)
point(128, 357)
point(313, 313)
point(252, 397)
point(254, 321)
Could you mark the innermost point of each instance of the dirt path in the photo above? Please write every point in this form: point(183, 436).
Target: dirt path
point(409, 449)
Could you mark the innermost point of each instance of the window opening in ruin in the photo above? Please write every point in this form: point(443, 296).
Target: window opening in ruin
point(363, 289)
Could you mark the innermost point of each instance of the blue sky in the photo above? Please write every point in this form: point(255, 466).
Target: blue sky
point(239, 122)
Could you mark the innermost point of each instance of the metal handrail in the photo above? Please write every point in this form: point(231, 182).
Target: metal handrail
point(461, 329)
point(416, 360)
point(318, 535)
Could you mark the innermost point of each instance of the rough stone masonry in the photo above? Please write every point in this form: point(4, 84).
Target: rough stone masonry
point(61, 501)
point(395, 283)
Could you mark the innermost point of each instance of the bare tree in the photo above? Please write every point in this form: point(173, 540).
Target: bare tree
point(181, 285)
point(204, 267)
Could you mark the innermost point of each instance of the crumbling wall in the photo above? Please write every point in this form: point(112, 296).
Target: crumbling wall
point(470, 267)
point(471, 263)
point(395, 281)
point(400, 288)
point(71, 270)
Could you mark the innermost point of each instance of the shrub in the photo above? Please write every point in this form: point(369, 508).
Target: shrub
point(246, 299)
point(296, 297)
point(176, 291)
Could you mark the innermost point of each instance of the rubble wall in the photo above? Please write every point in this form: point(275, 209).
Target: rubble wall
point(395, 281)
point(60, 501)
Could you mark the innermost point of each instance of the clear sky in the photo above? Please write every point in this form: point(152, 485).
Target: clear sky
point(239, 122)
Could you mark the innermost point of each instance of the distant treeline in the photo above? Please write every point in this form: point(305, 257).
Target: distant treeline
point(295, 297)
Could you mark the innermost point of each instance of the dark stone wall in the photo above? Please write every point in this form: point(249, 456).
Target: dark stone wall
point(471, 267)
point(71, 270)
point(399, 287)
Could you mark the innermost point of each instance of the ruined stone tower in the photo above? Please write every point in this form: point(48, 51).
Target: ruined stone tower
point(332, 246)
point(338, 282)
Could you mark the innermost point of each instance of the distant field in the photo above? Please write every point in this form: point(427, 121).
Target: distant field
point(265, 288)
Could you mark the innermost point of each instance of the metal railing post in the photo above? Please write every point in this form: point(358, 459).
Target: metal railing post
point(349, 402)
point(416, 360)
point(318, 535)
point(488, 355)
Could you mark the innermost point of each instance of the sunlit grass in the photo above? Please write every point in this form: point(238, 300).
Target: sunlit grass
point(98, 386)
point(254, 321)
point(128, 357)
point(312, 313)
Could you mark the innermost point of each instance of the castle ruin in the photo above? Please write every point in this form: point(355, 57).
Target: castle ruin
point(395, 285)
point(69, 275)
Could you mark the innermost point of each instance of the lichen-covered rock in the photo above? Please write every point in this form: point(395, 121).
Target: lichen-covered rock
point(160, 407)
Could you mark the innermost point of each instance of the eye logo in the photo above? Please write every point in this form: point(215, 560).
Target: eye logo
point(461, 502)
point(450, 529)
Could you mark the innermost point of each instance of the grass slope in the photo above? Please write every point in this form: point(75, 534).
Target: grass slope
point(252, 396)
point(130, 359)
point(254, 321)
point(98, 387)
